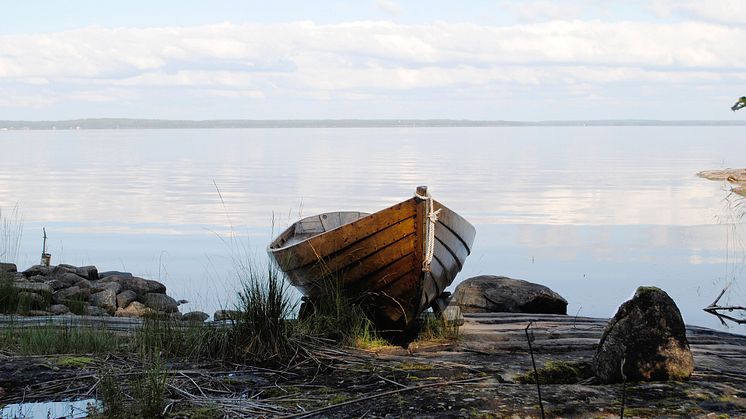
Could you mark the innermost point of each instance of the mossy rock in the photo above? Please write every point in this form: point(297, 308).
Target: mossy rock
point(558, 372)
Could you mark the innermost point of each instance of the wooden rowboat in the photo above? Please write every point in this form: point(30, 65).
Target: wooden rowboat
point(398, 260)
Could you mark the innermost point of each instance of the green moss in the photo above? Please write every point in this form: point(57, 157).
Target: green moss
point(337, 399)
point(74, 361)
point(558, 372)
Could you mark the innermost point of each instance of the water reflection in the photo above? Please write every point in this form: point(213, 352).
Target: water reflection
point(591, 211)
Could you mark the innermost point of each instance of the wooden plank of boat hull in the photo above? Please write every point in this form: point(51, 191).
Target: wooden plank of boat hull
point(447, 260)
point(463, 229)
point(376, 273)
point(381, 278)
point(364, 256)
point(453, 244)
point(434, 283)
point(321, 246)
point(400, 295)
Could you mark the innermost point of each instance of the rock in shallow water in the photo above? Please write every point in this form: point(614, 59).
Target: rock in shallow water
point(195, 316)
point(499, 294)
point(648, 334)
point(161, 302)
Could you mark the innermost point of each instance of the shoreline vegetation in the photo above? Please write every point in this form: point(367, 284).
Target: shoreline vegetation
point(132, 123)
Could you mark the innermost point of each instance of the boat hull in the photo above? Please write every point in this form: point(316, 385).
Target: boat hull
point(377, 258)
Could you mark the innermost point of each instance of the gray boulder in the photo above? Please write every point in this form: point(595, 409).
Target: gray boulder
point(67, 294)
point(9, 268)
point(58, 309)
point(161, 302)
point(37, 270)
point(56, 284)
point(497, 294)
point(141, 286)
point(84, 284)
point(99, 286)
point(38, 278)
point(95, 311)
point(195, 316)
point(648, 334)
point(107, 274)
point(63, 269)
point(69, 278)
point(88, 272)
point(125, 298)
point(106, 299)
point(33, 286)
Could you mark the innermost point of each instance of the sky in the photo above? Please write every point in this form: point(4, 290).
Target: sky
point(526, 60)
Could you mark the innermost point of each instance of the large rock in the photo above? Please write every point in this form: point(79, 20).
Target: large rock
point(67, 294)
point(161, 302)
point(125, 298)
point(37, 270)
point(195, 316)
point(69, 278)
point(106, 299)
point(107, 274)
point(141, 286)
point(134, 309)
point(648, 335)
point(95, 311)
point(33, 286)
point(497, 294)
point(100, 286)
point(88, 272)
point(9, 268)
point(58, 309)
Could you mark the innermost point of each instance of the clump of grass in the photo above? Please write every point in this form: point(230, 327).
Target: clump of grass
point(111, 395)
point(558, 372)
point(8, 295)
point(150, 389)
point(46, 340)
point(261, 331)
point(437, 328)
point(11, 231)
point(337, 316)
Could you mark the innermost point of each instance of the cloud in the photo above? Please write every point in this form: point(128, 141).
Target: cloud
point(719, 11)
point(388, 7)
point(309, 61)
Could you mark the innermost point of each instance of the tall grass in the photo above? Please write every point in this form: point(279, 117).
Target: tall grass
point(261, 330)
point(68, 339)
point(11, 231)
point(337, 316)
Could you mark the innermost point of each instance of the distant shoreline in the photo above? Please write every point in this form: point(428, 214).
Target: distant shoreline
point(116, 123)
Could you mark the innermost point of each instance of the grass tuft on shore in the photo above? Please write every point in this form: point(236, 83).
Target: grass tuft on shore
point(68, 339)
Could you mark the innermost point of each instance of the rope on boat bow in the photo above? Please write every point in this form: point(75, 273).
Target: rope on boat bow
point(432, 217)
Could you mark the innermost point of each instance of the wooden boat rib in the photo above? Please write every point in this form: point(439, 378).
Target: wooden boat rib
point(378, 257)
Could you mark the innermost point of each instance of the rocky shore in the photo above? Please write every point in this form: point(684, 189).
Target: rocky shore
point(83, 290)
point(736, 177)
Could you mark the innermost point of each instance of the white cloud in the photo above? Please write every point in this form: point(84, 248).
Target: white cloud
point(363, 59)
point(722, 11)
point(388, 6)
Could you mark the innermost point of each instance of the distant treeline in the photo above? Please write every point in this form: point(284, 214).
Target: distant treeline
point(117, 123)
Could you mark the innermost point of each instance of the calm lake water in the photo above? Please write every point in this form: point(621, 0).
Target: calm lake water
point(592, 212)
